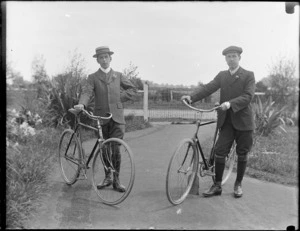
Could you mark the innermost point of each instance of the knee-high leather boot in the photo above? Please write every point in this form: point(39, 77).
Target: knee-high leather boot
point(216, 188)
point(116, 160)
point(107, 180)
point(241, 168)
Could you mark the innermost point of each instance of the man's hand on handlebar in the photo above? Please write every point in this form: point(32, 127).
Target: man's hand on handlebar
point(79, 107)
point(187, 98)
point(225, 106)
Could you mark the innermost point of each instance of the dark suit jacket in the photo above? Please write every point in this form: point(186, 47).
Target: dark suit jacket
point(238, 90)
point(111, 90)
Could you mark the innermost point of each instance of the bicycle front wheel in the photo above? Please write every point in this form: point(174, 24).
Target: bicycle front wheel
point(182, 171)
point(70, 154)
point(230, 164)
point(114, 162)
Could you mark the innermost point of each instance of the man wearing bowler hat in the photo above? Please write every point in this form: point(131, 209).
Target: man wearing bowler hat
point(235, 118)
point(111, 89)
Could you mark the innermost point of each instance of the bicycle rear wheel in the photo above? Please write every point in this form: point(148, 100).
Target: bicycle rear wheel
point(230, 164)
point(125, 171)
point(70, 154)
point(182, 171)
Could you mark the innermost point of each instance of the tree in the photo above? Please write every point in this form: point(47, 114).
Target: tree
point(77, 65)
point(283, 84)
point(132, 74)
point(261, 86)
point(9, 73)
point(66, 90)
point(14, 78)
point(40, 78)
point(38, 68)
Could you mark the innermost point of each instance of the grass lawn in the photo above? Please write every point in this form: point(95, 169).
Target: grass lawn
point(275, 158)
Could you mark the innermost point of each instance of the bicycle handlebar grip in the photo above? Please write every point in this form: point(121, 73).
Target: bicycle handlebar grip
point(186, 101)
point(74, 111)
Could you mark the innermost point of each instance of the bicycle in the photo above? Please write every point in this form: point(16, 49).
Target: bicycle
point(189, 160)
point(74, 163)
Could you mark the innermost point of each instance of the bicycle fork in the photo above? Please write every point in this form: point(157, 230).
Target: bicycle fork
point(181, 169)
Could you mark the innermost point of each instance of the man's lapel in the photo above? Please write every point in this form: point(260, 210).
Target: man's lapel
point(111, 76)
point(231, 79)
point(101, 75)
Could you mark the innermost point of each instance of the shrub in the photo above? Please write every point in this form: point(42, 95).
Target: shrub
point(64, 94)
point(28, 167)
point(20, 125)
point(267, 117)
point(135, 123)
point(29, 155)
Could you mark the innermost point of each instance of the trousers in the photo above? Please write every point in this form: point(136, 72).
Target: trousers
point(227, 135)
point(113, 129)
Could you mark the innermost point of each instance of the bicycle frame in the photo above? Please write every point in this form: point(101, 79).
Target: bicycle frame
point(186, 164)
point(195, 137)
point(99, 141)
point(207, 163)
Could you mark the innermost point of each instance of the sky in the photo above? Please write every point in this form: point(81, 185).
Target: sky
point(170, 42)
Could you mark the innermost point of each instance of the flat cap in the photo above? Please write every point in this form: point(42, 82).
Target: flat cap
point(231, 49)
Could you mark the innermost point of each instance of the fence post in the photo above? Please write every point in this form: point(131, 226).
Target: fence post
point(146, 112)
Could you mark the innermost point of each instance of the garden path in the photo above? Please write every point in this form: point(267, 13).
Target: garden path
point(264, 205)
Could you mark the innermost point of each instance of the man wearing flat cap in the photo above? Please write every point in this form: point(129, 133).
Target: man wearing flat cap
point(111, 89)
point(235, 118)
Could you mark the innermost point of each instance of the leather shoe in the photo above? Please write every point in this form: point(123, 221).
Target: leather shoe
point(117, 186)
point(105, 183)
point(238, 192)
point(215, 189)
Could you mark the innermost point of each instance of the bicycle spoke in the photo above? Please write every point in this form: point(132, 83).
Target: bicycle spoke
point(230, 164)
point(117, 163)
point(69, 156)
point(181, 172)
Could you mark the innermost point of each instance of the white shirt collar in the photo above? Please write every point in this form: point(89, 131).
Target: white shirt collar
point(105, 70)
point(235, 70)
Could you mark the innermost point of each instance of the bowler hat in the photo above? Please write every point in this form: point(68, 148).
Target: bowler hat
point(102, 50)
point(232, 49)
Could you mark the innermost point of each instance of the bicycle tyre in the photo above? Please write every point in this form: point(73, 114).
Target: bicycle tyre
point(185, 159)
point(69, 165)
point(127, 173)
point(230, 162)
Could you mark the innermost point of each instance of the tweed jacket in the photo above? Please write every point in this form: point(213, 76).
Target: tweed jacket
point(237, 89)
point(111, 90)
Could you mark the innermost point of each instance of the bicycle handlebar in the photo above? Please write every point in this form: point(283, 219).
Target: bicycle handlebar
point(198, 109)
point(89, 114)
